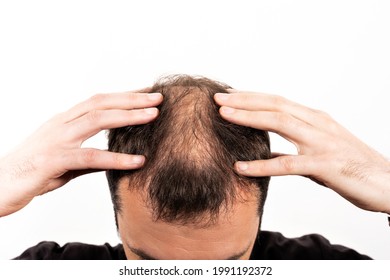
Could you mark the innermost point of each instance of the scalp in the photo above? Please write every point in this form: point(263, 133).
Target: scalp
point(189, 135)
point(190, 152)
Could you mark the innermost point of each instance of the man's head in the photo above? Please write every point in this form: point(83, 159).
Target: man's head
point(187, 201)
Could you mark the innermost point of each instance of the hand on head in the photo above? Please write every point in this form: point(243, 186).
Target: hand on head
point(53, 155)
point(327, 152)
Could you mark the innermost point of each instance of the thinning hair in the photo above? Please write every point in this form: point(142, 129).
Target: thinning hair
point(190, 151)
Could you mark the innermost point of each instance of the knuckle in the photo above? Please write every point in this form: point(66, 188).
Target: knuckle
point(116, 159)
point(94, 116)
point(334, 128)
point(287, 163)
point(134, 99)
point(97, 99)
point(283, 120)
point(244, 98)
point(69, 137)
point(89, 157)
point(331, 124)
point(277, 100)
point(282, 117)
point(322, 114)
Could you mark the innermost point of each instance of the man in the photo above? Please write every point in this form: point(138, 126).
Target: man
point(175, 204)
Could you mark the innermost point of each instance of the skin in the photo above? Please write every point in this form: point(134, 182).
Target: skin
point(24, 173)
point(231, 237)
point(326, 153)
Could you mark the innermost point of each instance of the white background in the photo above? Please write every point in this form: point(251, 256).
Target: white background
point(330, 55)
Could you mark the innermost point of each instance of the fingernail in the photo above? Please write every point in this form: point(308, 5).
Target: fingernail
point(151, 111)
point(138, 159)
point(154, 96)
point(242, 166)
point(222, 96)
point(227, 110)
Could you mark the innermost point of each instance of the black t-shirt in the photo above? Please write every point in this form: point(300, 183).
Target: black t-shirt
point(268, 246)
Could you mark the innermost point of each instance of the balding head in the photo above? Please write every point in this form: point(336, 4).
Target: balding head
point(190, 152)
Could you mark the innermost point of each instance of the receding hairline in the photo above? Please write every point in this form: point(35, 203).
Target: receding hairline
point(192, 91)
point(204, 220)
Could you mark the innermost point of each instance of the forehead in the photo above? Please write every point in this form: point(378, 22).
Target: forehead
point(232, 231)
point(131, 196)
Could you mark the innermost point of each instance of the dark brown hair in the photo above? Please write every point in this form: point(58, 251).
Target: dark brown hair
point(190, 152)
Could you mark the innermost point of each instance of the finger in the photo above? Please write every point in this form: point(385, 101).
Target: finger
point(123, 101)
point(254, 101)
point(96, 121)
point(265, 102)
point(284, 124)
point(94, 159)
point(283, 165)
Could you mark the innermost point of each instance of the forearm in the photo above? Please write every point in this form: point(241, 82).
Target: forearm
point(366, 184)
point(14, 189)
point(382, 184)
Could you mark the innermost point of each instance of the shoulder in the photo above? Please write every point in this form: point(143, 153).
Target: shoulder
point(273, 245)
point(72, 251)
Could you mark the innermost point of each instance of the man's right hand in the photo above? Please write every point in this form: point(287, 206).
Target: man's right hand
point(52, 156)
